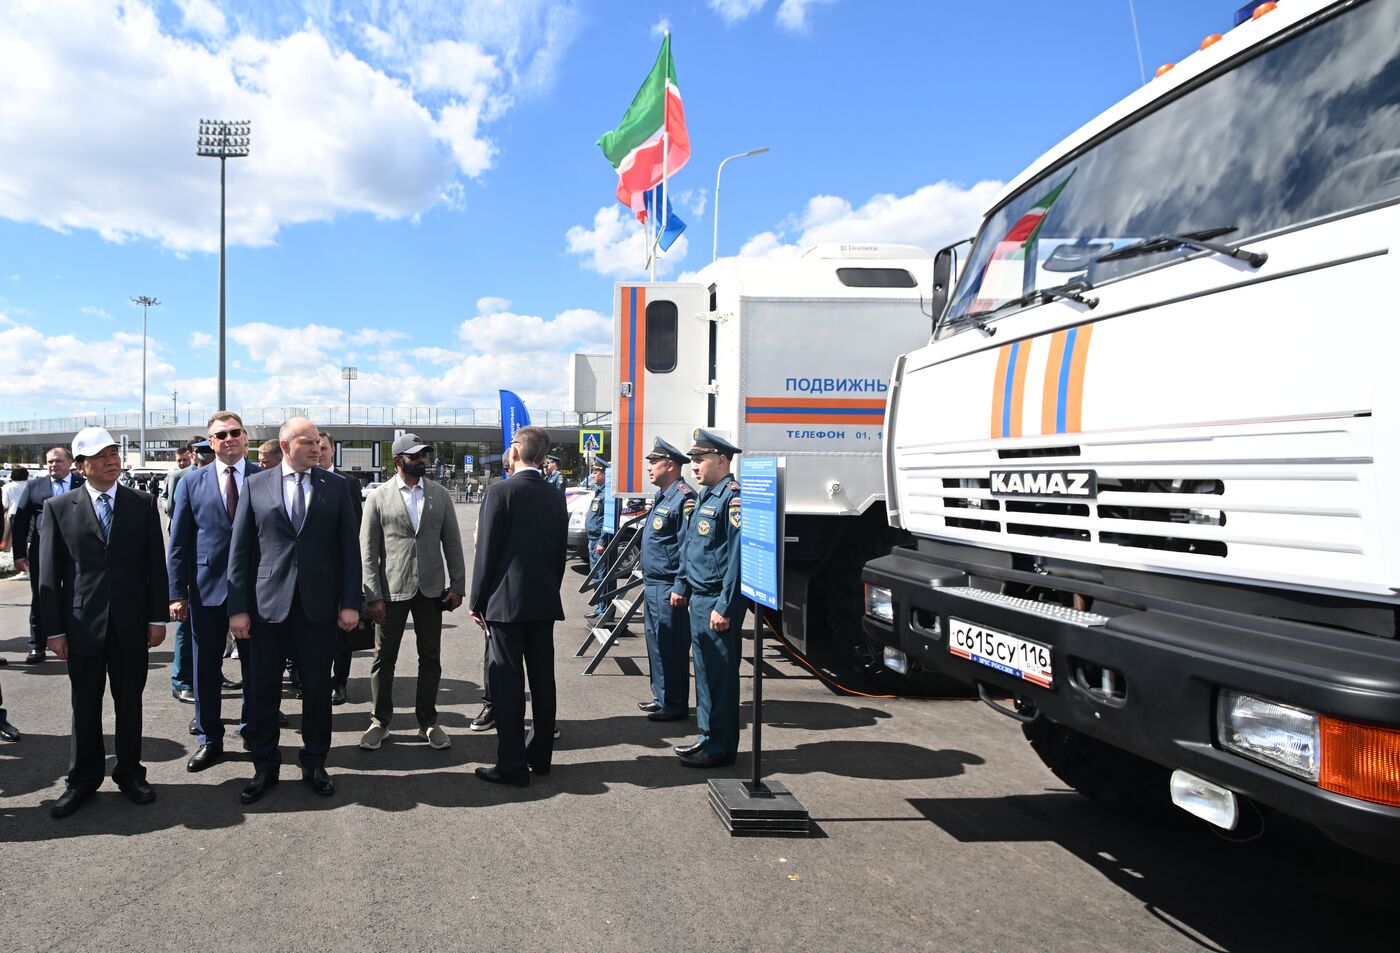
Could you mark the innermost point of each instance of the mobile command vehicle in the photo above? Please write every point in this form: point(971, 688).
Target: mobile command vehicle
point(785, 357)
point(1151, 455)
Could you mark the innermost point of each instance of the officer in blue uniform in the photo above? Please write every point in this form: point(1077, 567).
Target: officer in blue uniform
point(710, 565)
point(598, 535)
point(553, 476)
point(667, 621)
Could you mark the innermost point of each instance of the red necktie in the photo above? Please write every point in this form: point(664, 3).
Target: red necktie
point(231, 496)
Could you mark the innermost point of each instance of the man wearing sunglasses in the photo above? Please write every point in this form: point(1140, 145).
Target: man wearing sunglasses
point(409, 531)
point(200, 529)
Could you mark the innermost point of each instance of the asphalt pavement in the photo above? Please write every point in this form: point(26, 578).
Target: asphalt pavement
point(935, 827)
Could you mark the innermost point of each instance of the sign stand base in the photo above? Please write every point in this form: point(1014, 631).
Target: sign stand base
point(772, 813)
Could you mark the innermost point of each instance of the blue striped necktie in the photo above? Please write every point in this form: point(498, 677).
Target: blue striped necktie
point(104, 514)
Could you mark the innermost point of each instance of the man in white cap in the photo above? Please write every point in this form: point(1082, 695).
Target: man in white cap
point(103, 607)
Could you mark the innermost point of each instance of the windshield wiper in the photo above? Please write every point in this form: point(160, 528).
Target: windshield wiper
point(1073, 291)
point(1200, 239)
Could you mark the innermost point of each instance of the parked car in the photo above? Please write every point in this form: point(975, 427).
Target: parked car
point(369, 488)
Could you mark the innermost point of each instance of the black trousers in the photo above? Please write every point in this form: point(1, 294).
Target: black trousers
point(209, 630)
point(312, 644)
point(518, 650)
point(124, 668)
point(36, 640)
point(340, 667)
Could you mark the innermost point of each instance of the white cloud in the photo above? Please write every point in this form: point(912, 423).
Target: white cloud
point(616, 245)
point(95, 312)
point(502, 332)
point(332, 133)
point(377, 337)
point(661, 27)
point(284, 350)
point(693, 202)
point(792, 14)
point(931, 217)
point(202, 16)
point(490, 305)
point(93, 371)
point(201, 340)
point(732, 11)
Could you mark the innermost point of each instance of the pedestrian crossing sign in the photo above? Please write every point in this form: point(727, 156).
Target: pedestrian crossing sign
point(590, 441)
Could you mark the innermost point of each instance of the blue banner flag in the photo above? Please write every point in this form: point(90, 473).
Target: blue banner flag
point(513, 417)
point(659, 217)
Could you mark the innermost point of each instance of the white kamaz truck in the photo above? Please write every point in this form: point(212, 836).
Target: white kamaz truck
point(783, 356)
point(1151, 455)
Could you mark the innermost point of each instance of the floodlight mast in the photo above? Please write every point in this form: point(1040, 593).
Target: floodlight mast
point(223, 140)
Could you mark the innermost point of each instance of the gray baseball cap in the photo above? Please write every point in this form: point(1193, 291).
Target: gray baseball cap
point(410, 443)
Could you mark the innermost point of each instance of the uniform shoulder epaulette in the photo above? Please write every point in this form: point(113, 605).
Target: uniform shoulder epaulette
point(686, 489)
point(733, 485)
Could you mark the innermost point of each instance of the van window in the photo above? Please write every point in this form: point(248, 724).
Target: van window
point(661, 336)
point(875, 278)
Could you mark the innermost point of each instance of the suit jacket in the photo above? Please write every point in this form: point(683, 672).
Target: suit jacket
point(90, 587)
point(521, 537)
point(200, 531)
point(269, 561)
point(29, 518)
point(397, 563)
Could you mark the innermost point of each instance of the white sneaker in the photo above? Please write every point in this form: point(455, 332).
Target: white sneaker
point(435, 736)
point(374, 737)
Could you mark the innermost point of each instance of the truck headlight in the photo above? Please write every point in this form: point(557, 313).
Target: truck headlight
point(879, 602)
point(1273, 734)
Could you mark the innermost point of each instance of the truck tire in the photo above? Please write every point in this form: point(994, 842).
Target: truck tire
point(1108, 776)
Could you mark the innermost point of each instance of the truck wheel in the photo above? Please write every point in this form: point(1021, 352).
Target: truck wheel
point(1109, 776)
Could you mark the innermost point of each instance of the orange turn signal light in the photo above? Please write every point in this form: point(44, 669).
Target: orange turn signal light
point(1360, 761)
point(1262, 9)
point(1164, 69)
point(1211, 40)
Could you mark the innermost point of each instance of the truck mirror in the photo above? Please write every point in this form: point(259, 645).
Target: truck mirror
point(942, 281)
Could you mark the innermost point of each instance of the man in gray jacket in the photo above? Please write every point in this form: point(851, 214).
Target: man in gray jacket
point(408, 531)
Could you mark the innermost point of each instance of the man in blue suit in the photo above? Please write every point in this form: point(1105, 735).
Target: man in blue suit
point(200, 529)
point(29, 523)
point(293, 578)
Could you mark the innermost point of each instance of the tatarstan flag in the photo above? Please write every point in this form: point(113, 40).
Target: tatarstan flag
point(1003, 278)
point(635, 147)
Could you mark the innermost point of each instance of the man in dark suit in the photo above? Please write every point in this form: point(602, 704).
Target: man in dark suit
point(293, 578)
point(200, 531)
point(29, 523)
point(521, 538)
point(102, 606)
point(340, 666)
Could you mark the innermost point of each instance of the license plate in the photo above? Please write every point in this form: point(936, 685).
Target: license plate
point(1003, 652)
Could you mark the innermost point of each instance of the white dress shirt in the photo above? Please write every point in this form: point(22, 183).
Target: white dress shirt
point(94, 493)
point(239, 475)
point(412, 497)
point(289, 487)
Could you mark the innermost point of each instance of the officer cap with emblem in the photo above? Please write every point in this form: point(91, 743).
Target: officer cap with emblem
point(706, 441)
point(554, 458)
point(662, 450)
point(600, 464)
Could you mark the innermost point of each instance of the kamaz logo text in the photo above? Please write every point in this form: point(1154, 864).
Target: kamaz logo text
point(1081, 484)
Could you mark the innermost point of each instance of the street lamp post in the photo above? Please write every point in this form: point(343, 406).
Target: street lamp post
point(146, 302)
point(174, 407)
point(348, 374)
point(714, 254)
point(222, 140)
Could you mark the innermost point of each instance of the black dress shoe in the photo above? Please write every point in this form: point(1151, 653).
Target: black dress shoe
point(256, 788)
point(34, 657)
point(495, 777)
point(282, 720)
point(319, 780)
point(338, 695)
point(183, 695)
point(664, 716)
point(230, 685)
point(206, 757)
point(4, 662)
point(9, 732)
point(648, 706)
point(702, 759)
point(194, 725)
point(69, 801)
point(684, 750)
point(138, 792)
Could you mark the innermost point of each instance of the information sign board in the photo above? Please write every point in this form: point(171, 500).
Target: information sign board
point(761, 531)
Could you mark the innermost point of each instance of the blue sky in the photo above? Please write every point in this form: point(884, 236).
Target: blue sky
point(424, 198)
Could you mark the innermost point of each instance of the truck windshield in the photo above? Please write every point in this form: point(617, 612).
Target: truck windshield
point(1304, 130)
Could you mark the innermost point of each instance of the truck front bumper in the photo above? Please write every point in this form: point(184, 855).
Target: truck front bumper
point(1169, 662)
